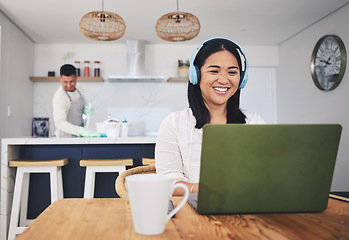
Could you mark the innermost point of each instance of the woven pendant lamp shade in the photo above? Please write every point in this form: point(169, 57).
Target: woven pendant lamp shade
point(102, 26)
point(178, 26)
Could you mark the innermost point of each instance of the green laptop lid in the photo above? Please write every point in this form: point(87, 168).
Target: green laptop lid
point(267, 168)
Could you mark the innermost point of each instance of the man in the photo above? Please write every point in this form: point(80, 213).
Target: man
point(69, 105)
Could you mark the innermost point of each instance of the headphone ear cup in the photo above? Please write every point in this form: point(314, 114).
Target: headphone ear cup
point(244, 80)
point(193, 74)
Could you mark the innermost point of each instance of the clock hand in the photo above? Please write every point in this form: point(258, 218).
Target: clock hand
point(323, 61)
point(327, 62)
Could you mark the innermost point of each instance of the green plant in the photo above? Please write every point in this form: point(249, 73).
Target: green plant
point(182, 63)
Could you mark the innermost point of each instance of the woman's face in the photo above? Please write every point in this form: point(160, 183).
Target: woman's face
point(220, 77)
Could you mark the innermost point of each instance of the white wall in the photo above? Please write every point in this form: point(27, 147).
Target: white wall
point(161, 59)
point(16, 92)
point(144, 105)
point(300, 101)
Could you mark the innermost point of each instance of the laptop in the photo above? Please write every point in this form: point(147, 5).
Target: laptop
point(277, 168)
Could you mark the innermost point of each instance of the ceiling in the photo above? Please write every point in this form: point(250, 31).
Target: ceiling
point(248, 22)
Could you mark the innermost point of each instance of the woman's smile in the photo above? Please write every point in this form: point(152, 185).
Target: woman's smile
point(221, 90)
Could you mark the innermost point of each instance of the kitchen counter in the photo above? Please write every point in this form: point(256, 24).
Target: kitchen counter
point(75, 149)
point(77, 140)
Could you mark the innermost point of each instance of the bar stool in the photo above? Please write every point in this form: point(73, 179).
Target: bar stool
point(101, 165)
point(18, 220)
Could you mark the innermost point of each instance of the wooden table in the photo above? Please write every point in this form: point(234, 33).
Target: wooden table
point(111, 219)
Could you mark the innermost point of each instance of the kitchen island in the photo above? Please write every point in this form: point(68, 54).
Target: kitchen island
point(74, 149)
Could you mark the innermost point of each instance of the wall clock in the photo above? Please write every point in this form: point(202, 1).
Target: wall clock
point(328, 62)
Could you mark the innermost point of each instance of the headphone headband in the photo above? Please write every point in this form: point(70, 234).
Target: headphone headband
point(194, 71)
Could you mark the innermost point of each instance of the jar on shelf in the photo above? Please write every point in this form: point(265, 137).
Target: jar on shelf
point(77, 66)
point(86, 68)
point(97, 69)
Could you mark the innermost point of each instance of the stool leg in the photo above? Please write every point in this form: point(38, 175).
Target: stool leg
point(91, 176)
point(23, 221)
point(60, 183)
point(54, 183)
point(89, 182)
point(16, 204)
point(123, 169)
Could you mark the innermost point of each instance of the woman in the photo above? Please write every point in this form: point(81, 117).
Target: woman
point(218, 70)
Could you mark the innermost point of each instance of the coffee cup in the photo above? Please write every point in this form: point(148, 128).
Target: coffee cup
point(149, 198)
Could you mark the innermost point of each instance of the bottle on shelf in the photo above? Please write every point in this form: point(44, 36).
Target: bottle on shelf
point(77, 66)
point(86, 68)
point(97, 69)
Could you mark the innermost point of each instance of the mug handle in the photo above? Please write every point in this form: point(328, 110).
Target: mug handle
point(185, 199)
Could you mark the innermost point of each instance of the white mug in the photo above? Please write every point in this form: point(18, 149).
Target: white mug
point(149, 197)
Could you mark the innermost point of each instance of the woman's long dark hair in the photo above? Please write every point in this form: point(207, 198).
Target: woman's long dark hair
point(196, 101)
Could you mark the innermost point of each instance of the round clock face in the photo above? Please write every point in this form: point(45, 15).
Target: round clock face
point(328, 62)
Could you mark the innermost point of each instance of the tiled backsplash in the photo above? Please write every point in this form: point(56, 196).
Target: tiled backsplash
point(142, 104)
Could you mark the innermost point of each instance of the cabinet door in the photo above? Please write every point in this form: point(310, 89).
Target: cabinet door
point(259, 95)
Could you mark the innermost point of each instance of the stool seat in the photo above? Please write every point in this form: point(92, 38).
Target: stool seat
point(148, 161)
point(106, 162)
point(18, 219)
point(36, 163)
point(101, 165)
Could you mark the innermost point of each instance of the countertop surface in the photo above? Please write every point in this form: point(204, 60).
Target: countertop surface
point(78, 140)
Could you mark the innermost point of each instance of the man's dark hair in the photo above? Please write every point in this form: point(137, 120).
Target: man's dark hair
point(67, 70)
point(196, 101)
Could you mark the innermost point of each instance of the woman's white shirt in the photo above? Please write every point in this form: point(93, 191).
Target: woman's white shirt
point(178, 145)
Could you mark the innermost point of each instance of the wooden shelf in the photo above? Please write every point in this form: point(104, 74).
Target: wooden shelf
point(178, 79)
point(56, 79)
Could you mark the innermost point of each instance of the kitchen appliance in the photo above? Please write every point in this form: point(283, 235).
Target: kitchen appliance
point(136, 65)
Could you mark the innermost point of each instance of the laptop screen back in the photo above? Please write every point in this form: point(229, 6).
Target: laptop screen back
point(266, 168)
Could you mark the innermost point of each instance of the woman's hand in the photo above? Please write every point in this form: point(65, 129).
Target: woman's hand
point(193, 188)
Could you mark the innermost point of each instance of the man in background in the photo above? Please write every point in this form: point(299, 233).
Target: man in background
point(69, 105)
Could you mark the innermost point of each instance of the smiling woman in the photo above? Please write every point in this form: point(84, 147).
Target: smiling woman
point(228, 65)
point(217, 73)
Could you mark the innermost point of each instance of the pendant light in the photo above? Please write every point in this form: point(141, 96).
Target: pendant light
point(102, 25)
point(177, 26)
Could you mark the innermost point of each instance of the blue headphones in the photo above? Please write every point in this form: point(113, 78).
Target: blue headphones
point(194, 71)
